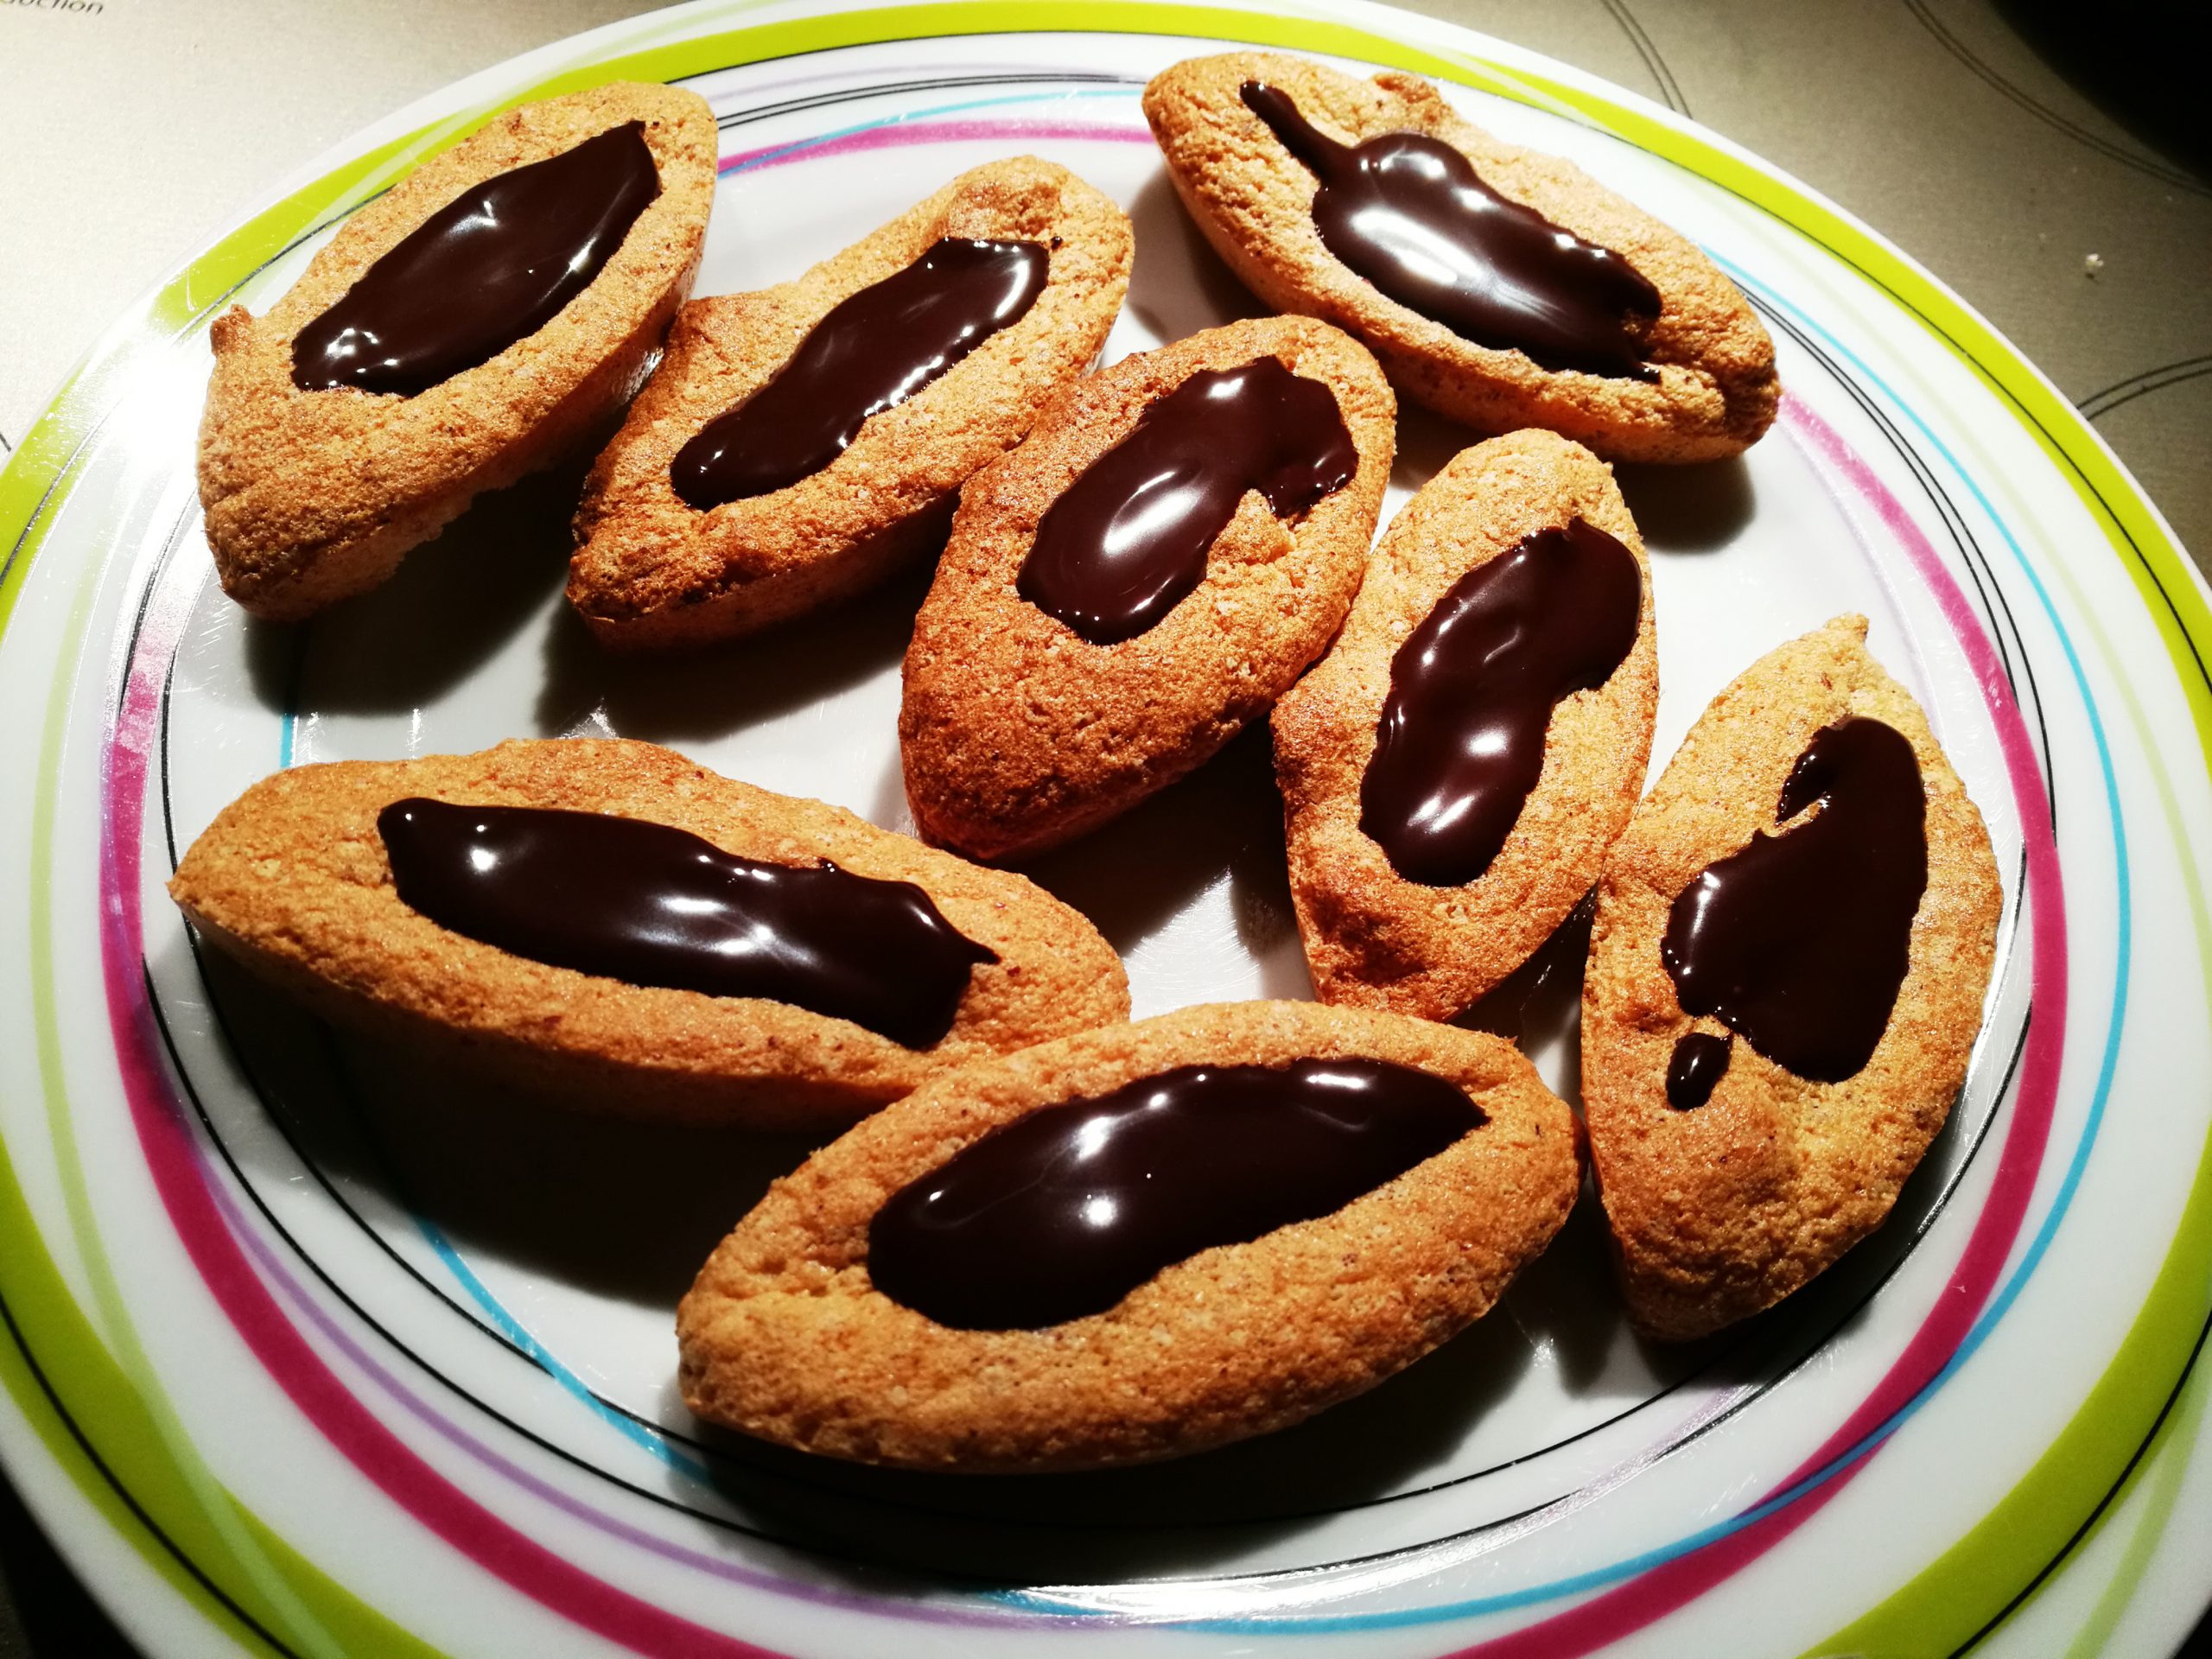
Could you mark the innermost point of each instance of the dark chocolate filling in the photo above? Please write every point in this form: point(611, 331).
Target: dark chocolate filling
point(1460, 743)
point(652, 905)
point(873, 351)
point(1410, 214)
point(1798, 942)
point(491, 267)
point(1065, 1211)
point(1126, 542)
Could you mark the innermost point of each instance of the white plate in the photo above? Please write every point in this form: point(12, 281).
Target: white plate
point(311, 1352)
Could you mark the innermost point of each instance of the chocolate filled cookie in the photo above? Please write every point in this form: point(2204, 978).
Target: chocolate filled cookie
point(1499, 286)
point(799, 443)
point(608, 921)
point(1455, 770)
point(471, 325)
point(1134, 1243)
point(1179, 538)
point(1793, 939)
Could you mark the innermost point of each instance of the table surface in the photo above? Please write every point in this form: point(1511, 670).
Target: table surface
point(2061, 181)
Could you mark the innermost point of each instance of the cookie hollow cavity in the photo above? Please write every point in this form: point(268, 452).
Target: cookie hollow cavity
point(294, 881)
point(785, 1337)
point(1752, 1180)
point(1374, 938)
point(650, 571)
point(313, 496)
point(1016, 733)
point(1713, 391)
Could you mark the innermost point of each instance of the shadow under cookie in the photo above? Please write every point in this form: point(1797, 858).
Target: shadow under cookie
point(449, 609)
point(1190, 1513)
point(1696, 509)
point(716, 690)
point(1178, 284)
point(1135, 872)
point(613, 1205)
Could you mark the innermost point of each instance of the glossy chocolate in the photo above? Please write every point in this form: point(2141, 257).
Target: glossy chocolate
point(1128, 541)
point(1460, 743)
point(1409, 213)
point(652, 905)
point(491, 267)
point(1695, 1068)
point(875, 350)
point(1798, 942)
point(1064, 1212)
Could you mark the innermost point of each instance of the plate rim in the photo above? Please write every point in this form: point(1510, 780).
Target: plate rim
point(35, 480)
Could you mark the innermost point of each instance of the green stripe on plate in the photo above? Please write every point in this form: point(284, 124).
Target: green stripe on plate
point(2164, 1469)
point(112, 1416)
point(2160, 571)
point(1995, 1559)
point(255, 1592)
point(1929, 1615)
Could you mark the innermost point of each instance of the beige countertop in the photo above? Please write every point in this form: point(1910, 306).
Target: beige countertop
point(131, 131)
point(136, 130)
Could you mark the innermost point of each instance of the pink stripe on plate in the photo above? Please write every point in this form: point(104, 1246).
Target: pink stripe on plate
point(900, 134)
point(183, 1183)
point(475, 1532)
point(1615, 1613)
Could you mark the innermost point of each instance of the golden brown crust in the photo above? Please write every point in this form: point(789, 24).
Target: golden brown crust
point(784, 1337)
point(1016, 732)
point(292, 879)
point(313, 496)
point(1373, 939)
point(650, 570)
point(1716, 392)
point(1725, 1210)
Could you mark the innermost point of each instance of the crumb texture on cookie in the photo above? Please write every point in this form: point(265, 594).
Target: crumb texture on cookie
point(1016, 732)
point(653, 569)
point(784, 1335)
point(1376, 936)
point(294, 879)
point(1711, 390)
point(314, 495)
point(1723, 1208)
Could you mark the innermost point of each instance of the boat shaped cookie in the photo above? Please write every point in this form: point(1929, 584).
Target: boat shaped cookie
point(488, 313)
point(1499, 286)
point(604, 920)
point(1455, 770)
point(1793, 940)
point(1272, 1207)
point(1177, 541)
point(798, 442)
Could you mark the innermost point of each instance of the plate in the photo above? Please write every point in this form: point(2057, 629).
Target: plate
point(309, 1352)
